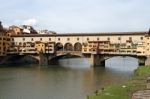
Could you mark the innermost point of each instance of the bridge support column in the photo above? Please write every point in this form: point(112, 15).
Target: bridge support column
point(43, 61)
point(147, 61)
point(144, 60)
point(96, 60)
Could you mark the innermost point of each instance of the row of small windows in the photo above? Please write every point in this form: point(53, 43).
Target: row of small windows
point(119, 38)
point(32, 39)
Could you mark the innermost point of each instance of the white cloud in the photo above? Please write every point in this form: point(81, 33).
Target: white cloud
point(78, 15)
point(31, 22)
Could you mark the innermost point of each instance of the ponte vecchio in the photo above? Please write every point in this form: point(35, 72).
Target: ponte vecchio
point(95, 47)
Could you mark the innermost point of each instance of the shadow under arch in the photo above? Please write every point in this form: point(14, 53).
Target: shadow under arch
point(109, 57)
point(77, 46)
point(55, 60)
point(68, 47)
point(19, 60)
point(59, 47)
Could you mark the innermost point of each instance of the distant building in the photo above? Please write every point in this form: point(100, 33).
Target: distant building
point(15, 30)
point(28, 29)
point(46, 32)
point(24, 29)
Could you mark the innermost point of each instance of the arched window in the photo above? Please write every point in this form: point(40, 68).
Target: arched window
point(77, 47)
point(59, 47)
point(68, 47)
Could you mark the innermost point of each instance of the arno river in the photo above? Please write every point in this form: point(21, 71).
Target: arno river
point(56, 82)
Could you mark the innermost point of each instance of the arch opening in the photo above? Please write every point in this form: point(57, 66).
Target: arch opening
point(77, 46)
point(18, 60)
point(59, 47)
point(55, 60)
point(68, 47)
point(122, 63)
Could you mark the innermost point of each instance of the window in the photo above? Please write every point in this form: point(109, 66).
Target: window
point(13, 44)
point(12, 39)
point(87, 39)
point(8, 39)
point(119, 38)
point(32, 44)
point(97, 39)
point(108, 39)
point(90, 45)
point(130, 38)
point(32, 39)
point(24, 44)
point(141, 38)
point(20, 43)
point(78, 39)
point(49, 39)
point(68, 39)
point(40, 39)
point(23, 39)
point(58, 39)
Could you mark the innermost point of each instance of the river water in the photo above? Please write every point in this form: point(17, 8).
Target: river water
point(56, 82)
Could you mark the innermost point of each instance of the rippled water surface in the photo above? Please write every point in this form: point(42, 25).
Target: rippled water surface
point(56, 82)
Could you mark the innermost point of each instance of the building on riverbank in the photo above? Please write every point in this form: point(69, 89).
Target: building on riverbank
point(4, 41)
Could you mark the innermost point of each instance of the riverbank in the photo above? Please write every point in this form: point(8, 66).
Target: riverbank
point(124, 91)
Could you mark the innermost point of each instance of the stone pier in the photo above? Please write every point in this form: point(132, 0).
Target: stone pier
point(144, 60)
point(43, 61)
point(147, 61)
point(96, 60)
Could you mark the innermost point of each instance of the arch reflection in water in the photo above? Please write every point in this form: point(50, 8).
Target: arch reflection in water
point(77, 63)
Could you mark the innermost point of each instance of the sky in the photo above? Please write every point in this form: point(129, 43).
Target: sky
point(71, 16)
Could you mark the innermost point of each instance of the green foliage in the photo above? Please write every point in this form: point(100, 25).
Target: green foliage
point(125, 91)
point(142, 70)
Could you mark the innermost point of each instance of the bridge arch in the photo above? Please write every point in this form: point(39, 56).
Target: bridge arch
point(77, 46)
point(59, 47)
point(54, 60)
point(68, 47)
point(109, 57)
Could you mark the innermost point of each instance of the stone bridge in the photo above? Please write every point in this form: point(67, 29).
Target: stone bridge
point(96, 47)
point(94, 59)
